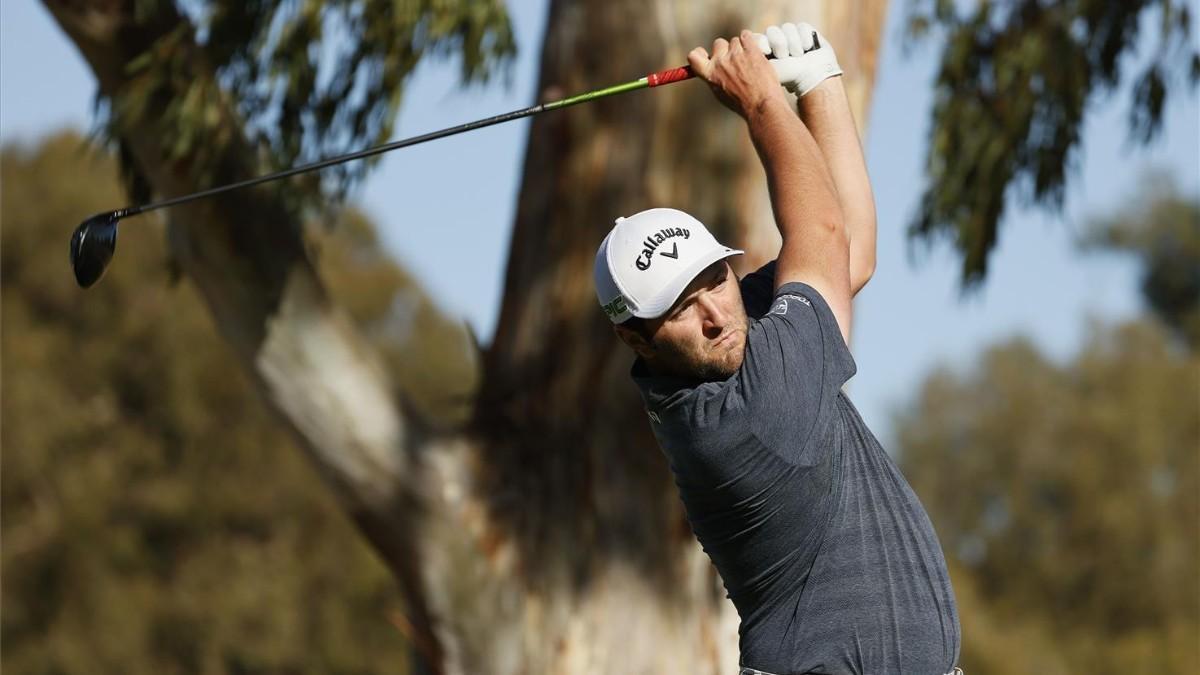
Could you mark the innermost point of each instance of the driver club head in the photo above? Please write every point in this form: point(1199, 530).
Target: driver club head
point(92, 247)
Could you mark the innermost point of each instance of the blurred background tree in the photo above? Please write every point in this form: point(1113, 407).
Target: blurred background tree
point(1012, 96)
point(1163, 231)
point(1069, 494)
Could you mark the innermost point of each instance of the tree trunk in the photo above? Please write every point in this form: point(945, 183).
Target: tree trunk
point(574, 478)
point(547, 537)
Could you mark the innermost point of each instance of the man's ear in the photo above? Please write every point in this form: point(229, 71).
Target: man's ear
point(636, 341)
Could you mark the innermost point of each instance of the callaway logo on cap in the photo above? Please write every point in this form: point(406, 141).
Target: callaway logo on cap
point(647, 260)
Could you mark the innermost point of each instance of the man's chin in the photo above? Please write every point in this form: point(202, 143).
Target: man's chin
point(717, 365)
point(722, 367)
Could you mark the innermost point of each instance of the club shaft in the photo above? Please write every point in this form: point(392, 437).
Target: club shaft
point(653, 80)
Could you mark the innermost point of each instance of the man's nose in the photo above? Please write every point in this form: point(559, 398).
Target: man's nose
point(715, 317)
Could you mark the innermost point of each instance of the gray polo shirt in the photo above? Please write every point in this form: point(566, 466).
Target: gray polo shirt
point(824, 549)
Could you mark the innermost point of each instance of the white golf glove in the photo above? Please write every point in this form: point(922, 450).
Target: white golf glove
point(803, 57)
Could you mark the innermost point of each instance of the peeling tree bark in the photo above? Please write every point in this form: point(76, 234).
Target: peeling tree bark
point(548, 536)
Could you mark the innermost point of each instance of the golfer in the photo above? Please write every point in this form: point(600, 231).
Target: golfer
point(822, 545)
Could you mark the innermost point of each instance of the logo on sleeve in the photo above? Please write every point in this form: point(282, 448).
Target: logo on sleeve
point(781, 307)
point(654, 417)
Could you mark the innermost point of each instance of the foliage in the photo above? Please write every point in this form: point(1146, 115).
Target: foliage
point(156, 518)
point(1163, 229)
point(1011, 96)
point(1067, 496)
point(310, 78)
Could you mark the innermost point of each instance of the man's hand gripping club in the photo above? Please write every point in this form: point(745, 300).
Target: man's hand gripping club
point(801, 57)
point(741, 78)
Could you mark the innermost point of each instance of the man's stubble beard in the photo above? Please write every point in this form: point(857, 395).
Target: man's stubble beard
point(697, 366)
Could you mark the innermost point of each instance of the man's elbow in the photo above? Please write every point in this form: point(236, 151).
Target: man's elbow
point(861, 272)
point(824, 228)
point(833, 221)
point(862, 252)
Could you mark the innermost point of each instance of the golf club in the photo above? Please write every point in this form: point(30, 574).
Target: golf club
point(95, 240)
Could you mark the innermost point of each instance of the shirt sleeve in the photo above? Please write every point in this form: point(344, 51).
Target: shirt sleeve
point(794, 366)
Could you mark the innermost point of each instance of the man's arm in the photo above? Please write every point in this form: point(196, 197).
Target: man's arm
point(808, 67)
point(816, 245)
point(826, 112)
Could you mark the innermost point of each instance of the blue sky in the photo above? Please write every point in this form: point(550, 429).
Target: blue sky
point(910, 318)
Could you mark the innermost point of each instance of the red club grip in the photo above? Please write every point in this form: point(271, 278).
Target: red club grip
point(669, 75)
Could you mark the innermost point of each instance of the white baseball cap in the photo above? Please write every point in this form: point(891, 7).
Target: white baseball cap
point(649, 258)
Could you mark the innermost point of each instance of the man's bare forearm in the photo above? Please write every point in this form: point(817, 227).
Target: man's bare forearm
point(805, 203)
point(826, 113)
point(803, 193)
